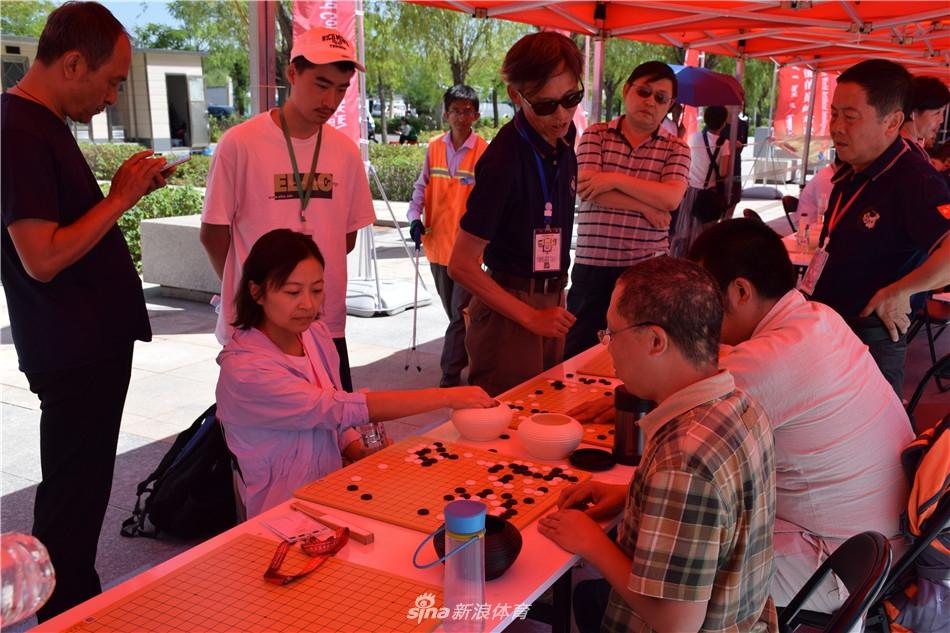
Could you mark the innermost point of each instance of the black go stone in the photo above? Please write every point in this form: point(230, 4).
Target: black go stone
point(422, 512)
point(352, 487)
point(449, 497)
point(528, 500)
point(505, 436)
point(460, 490)
point(366, 496)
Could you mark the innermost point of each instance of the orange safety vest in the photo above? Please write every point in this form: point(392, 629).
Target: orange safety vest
point(446, 195)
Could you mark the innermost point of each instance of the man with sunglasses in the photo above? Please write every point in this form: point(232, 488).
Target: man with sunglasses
point(519, 220)
point(630, 177)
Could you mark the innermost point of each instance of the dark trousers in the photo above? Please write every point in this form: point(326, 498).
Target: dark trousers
point(79, 430)
point(590, 604)
point(588, 300)
point(346, 380)
point(455, 299)
point(889, 355)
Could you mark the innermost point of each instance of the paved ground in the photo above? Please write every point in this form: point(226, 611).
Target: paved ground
point(173, 381)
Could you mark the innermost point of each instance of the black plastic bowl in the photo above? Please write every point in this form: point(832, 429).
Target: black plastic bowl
point(502, 546)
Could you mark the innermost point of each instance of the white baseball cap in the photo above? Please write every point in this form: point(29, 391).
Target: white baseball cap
point(321, 45)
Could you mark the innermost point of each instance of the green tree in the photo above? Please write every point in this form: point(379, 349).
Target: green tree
point(621, 57)
point(26, 19)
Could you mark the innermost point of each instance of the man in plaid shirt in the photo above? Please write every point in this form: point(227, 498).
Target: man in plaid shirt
point(694, 549)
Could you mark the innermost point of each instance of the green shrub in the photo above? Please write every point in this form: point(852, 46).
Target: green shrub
point(162, 203)
point(105, 158)
point(398, 167)
point(217, 127)
point(193, 172)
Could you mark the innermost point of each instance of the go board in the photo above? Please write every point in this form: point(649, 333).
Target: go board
point(547, 395)
point(409, 483)
point(600, 365)
point(225, 590)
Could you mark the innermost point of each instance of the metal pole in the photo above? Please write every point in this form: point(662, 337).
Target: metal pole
point(772, 93)
point(733, 135)
point(598, 88)
point(263, 61)
point(811, 116)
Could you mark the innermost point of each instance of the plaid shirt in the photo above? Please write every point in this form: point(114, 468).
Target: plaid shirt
point(701, 508)
point(618, 237)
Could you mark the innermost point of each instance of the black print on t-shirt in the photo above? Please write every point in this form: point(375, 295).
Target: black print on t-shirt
point(285, 188)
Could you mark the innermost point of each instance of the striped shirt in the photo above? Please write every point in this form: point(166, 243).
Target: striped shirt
point(620, 237)
point(701, 508)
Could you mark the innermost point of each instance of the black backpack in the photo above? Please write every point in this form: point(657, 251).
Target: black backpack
point(191, 493)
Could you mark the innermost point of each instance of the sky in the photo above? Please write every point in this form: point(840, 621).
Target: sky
point(133, 13)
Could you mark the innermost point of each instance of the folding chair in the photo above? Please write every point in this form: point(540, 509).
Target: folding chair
point(790, 206)
point(933, 318)
point(940, 369)
point(862, 563)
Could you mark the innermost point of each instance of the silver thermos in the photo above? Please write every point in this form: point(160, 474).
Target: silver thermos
point(628, 438)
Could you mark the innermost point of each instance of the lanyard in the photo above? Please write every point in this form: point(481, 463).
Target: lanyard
point(303, 192)
point(545, 190)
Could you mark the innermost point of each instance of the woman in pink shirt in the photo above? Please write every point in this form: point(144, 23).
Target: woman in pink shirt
point(284, 415)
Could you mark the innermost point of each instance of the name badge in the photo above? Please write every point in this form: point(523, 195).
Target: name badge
point(815, 268)
point(547, 250)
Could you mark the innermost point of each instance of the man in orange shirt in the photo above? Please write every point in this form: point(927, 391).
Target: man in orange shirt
point(438, 202)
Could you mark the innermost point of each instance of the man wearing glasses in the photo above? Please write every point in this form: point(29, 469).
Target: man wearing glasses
point(519, 220)
point(630, 177)
point(438, 202)
point(694, 547)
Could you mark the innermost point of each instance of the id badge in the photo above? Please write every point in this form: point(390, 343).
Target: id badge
point(547, 250)
point(815, 268)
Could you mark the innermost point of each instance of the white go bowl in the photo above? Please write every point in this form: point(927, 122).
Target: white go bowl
point(482, 425)
point(550, 436)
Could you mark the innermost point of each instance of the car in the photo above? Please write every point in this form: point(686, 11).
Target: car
point(220, 111)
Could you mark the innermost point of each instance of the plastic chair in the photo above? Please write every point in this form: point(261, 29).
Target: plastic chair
point(862, 563)
point(790, 206)
point(749, 214)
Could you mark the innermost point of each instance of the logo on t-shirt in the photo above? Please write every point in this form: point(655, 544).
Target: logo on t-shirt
point(285, 188)
point(944, 210)
point(870, 218)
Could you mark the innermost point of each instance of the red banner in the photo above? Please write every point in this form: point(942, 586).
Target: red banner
point(339, 15)
point(794, 94)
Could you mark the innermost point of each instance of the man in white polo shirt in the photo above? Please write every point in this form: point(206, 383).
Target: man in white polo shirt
point(286, 169)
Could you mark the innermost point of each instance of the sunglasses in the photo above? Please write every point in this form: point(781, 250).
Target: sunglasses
point(660, 97)
point(548, 106)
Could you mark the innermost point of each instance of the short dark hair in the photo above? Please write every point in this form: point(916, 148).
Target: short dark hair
point(271, 260)
point(302, 64)
point(715, 117)
point(744, 247)
point(654, 71)
point(87, 27)
point(537, 57)
point(460, 92)
point(887, 84)
point(682, 298)
point(928, 93)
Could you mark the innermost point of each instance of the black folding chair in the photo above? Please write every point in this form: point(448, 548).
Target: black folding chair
point(940, 369)
point(790, 206)
point(862, 563)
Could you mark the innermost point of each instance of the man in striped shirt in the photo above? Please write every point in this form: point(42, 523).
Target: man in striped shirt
point(694, 548)
point(630, 177)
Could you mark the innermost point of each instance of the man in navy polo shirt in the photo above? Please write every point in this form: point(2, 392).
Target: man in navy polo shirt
point(519, 219)
point(888, 210)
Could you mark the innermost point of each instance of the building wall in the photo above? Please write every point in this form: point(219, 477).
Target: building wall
point(157, 66)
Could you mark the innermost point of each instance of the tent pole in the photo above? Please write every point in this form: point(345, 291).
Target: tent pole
point(772, 94)
point(734, 134)
point(262, 62)
point(811, 116)
point(598, 88)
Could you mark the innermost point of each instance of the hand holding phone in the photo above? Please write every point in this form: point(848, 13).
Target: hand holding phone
point(178, 161)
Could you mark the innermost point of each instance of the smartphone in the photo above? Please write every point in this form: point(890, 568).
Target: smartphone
point(175, 163)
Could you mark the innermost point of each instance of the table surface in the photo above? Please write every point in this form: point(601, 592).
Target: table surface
point(539, 565)
point(800, 256)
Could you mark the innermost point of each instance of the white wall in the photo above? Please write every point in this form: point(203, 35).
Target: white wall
point(157, 65)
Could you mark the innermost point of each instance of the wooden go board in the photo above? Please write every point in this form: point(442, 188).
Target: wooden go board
point(547, 395)
point(409, 483)
point(224, 590)
point(600, 365)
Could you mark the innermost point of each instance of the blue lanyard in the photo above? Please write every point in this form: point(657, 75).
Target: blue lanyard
point(545, 190)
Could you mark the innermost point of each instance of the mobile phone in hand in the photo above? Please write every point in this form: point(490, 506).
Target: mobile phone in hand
point(174, 163)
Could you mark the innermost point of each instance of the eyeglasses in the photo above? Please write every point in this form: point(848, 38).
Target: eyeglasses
point(606, 334)
point(660, 97)
point(548, 106)
point(463, 113)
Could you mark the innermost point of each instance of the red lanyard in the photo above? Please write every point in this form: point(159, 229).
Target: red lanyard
point(839, 212)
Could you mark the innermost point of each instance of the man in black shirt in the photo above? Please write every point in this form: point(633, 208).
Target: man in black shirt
point(889, 210)
point(75, 300)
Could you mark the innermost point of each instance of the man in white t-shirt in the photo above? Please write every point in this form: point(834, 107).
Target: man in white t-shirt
point(839, 427)
point(813, 199)
point(257, 184)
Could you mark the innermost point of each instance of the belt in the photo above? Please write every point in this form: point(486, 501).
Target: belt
point(534, 285)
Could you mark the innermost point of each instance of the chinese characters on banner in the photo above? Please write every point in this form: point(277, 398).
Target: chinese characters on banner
point(791, 109)
point(339, 15)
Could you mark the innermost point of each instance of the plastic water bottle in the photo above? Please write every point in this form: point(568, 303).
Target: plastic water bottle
point(27, 577)
point(464, 580)
point(801, 238)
